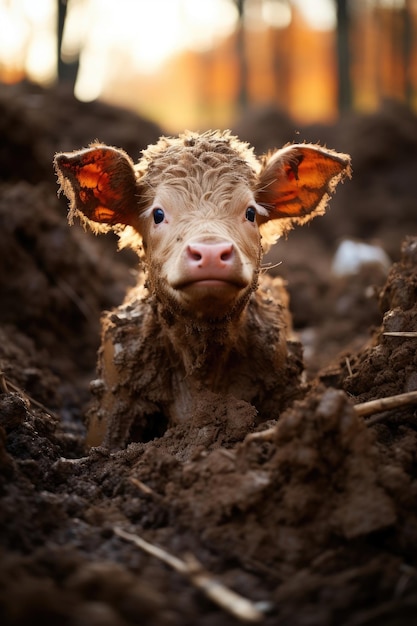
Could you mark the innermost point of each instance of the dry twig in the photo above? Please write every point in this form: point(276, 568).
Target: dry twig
point(3, 383)
point(141, 485)
point(363, 409)
point(224, 597)
point(349, 369)
point(385, 404)
point(27, 397)
point(263, 435)
point(409, 334)
point(6, 386)
point(84, 309)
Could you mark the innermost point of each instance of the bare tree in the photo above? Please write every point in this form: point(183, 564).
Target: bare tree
point(241, 54)
point(67, 72)
point(343, 56)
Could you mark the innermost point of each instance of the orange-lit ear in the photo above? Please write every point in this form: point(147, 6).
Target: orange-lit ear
point(297, 181)
point(100, 184)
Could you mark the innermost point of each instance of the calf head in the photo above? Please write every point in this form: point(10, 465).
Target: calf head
point(200, 210)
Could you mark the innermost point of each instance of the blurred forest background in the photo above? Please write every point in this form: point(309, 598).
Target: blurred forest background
point(199, 64)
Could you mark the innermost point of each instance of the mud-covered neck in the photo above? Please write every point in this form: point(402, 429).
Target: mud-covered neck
point(202, 345)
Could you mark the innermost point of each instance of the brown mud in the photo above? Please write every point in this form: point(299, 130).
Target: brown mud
point(317, 522)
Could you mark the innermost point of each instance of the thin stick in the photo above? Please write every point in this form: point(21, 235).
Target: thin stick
point(349, 369)
point(75, 298)
point(140, 485)
point(362, 410)
point(26, 396)
point(385, 404)
point(411, 334)
point(6, 386)
point(227, 599)
point(262, 435)
point(3, 383)
point(224, 597)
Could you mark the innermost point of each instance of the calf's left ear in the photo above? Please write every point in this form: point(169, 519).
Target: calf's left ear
point(100, 184)
point(295, 184)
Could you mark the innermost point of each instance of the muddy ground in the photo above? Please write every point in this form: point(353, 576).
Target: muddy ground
point(317, 524)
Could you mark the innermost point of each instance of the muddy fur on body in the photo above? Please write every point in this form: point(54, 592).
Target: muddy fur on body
point(200, 210)
point(151, 367)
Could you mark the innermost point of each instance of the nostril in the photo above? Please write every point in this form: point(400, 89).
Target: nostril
point(194, 253)
point(227, 254)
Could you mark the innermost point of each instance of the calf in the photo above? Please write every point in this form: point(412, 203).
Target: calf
point(200, 210)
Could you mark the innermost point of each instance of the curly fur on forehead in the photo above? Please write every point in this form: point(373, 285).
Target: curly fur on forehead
point(193, 154)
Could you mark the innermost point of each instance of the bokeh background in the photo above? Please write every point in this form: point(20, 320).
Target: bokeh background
point(201, 64)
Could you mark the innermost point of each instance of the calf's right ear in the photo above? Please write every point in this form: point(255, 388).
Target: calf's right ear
point(100, 184)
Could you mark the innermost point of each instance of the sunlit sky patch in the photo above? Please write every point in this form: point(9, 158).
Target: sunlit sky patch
point(147, 32)
point(150, 31)
point(27, 37)
point(319, 15)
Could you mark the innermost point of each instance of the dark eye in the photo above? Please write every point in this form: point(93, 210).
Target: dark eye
point(251, 214)
point(158, 216)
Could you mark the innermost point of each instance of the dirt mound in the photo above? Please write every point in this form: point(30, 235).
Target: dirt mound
point(35, 123)
point(54, 285)
point(55, 282)
point(389, 366)
point(315, 521)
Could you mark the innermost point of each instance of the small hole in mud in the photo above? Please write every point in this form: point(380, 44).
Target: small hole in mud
point(155, 427)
